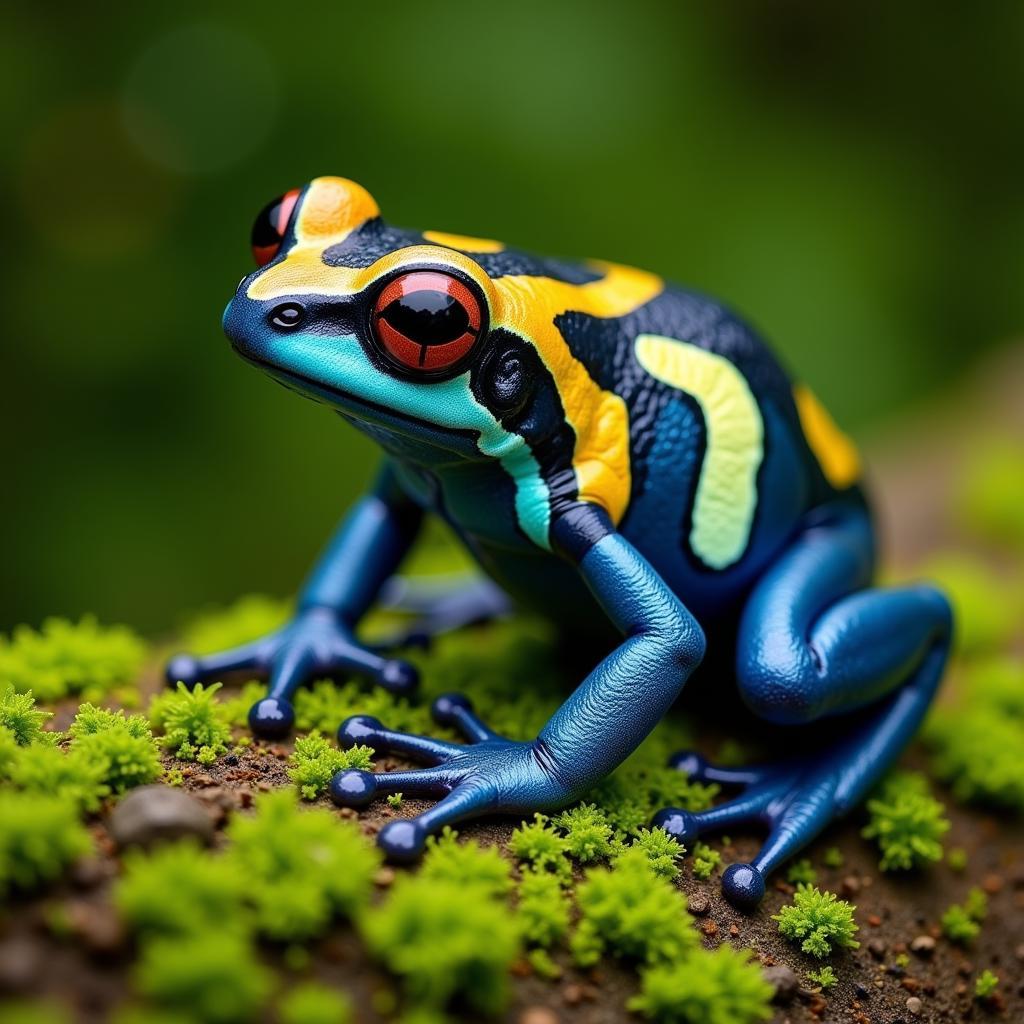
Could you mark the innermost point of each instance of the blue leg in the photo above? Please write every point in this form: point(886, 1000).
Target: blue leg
point(603, 721)
point(812, 644)
point(320, 641)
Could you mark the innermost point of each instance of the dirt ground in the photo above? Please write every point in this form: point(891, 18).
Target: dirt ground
point(87, 957)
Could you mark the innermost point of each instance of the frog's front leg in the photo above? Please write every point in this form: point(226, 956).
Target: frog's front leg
point(366, 549)
point(816, 641)
point(604, 720)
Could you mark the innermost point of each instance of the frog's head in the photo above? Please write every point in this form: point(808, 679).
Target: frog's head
point(391, 328)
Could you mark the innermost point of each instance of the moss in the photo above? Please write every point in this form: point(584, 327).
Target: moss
point(66, 657)
point(248, 618)
point(992, 493)
point(325, 705)
point(957, 859)
point(236, 703)
point(985, 985)
point(801, 872)
point(39, 838)
point(543, 909)
point(819, 921)
point(20, 716)
point(587, 832)
point(907, 822)
point(193, 722)
point(180, 889)
point(466, 863)
point(631, 912)
point(824, 976)
point(311, 1003)
point(961, 923)
point(71, 775)
point(445, 941)
point(210, 976)
point(541, 846)
point(34, 1012)
point(706, 861)
point(833, 857)
point(302, 866)
point(394, 801)
point(123, 743)
point(315, 761)
point(720, 987)
point(660, 849)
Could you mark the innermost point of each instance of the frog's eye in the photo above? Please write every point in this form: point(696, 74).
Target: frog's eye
point(270, 226)
point(427, 321)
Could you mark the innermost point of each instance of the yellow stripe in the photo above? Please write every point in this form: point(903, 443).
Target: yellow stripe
point(528, 306)
point(836, 453)
point(464, 242)
point(726, 498)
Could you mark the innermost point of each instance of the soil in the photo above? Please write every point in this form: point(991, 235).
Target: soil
point(68, 942)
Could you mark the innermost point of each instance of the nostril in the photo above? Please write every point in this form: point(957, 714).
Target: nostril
point(287, 316)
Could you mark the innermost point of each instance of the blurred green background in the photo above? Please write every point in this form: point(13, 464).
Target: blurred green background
point(850, 176)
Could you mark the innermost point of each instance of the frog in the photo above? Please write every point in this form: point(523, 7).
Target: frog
point(618, 455)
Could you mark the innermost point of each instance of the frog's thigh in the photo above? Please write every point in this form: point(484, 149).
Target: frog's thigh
point(815, 640)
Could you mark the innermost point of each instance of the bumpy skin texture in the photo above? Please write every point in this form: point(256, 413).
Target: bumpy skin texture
point(609, 449)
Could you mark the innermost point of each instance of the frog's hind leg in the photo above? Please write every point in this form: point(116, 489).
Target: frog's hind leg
point(814, 643)
point(438, 605)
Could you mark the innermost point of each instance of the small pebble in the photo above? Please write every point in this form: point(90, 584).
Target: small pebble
point(1019, 952)
point(153, 813)
point(538, 1015)
point(862, 991)
point(784, 981)
point(876, 947)
point(21, 961)
point(698, 904)
point(573, 994)
point(923, 945)
point(992, 884)
point(709, 928)
point(874, 920)
point(850, 885)
point(384, 877)
point(914, 1006)
point(734, 930)
point(89, 872)
point(97, 926)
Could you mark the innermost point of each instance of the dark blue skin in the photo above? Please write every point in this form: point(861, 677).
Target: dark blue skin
point(813, 639)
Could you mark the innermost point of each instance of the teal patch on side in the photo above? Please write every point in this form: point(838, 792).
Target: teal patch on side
point(448, 404)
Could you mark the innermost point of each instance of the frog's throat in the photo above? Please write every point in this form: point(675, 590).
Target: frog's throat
point(726, 495)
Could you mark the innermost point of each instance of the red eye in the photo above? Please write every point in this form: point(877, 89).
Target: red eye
point(427, 320)
point(270, 225)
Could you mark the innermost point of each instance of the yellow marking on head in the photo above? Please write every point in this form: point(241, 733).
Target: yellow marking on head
point(836, 453)
point(726, 498)
point(464, 242)
point(332, 208)
point(528, 306)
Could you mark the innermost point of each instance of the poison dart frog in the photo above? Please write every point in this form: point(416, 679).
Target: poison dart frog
point(610, 449)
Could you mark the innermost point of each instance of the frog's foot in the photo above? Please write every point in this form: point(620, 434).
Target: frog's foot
point(795, 800)
point(314, 645)
point(486, 775)
point(439, 605)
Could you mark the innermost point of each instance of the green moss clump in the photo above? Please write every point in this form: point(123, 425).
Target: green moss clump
point(588, 835)
point(315, 762)
point(34, 1012)
point(445, 941)
point(541, 846)
point(193, 722)
point(706, 860)
point(302, 866)
point(824, 976)
point(70, 657)
point(212, 976)
point(630, 911)
point(543, 909)
point(985, 985)
point(466, 863)
point(992, 495)
point(20, 716)
point(180, 889)
point(961, 923)
point(311, 1003)
point(907, 822)
point(801, 872)
point(123, 743)
point(819, 921)
point(720, 987)
point(833, 857)
point(975, 741)
point(72, 775)
point(325, 705)
point(248, 618)
point(40, 835)
point(660, 849)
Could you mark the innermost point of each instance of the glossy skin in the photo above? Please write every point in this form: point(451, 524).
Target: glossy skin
point(609, 449)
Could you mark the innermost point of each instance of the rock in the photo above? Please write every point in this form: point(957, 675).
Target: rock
point(538, 1015)
point(153, 813)
point(88, 872)
point(876, 947)
point(21, 961)
point(784, 981)
point(914, 1006)
point(849, 886)
point(698, 904)
point(97, 926)
point(923, 945)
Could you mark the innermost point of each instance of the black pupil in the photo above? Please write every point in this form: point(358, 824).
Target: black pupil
point(427, 317)
point(286, 316)
point(264, 229)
